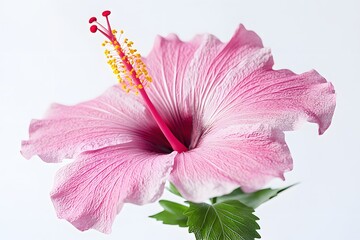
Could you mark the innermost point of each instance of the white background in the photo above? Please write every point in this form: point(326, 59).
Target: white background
point(47, 54)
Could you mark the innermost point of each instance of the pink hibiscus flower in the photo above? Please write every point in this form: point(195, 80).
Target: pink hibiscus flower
point(211, 121)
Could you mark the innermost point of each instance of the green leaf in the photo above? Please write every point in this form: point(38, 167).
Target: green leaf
point(253, 199)
point(173, 213)
point(173, 190)
point(226, 220)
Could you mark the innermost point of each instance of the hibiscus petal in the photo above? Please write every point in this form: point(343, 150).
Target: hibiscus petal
point(200, 62)
point(167, 64)
point(284, 99)
point(246, 156)
point(215, 103)
point(190, 72)
point(90, 191)
point(213, 60)
point(240, 86)
point(68, 130)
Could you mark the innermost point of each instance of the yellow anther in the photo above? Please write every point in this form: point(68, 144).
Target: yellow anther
point(119, 58)
point(104, 43)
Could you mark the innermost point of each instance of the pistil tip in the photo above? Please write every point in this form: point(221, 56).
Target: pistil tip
point(106, 13)
point(93, 28)
point(92, 19)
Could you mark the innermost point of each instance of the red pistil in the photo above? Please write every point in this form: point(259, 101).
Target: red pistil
point(93, 28)
point(106, 13)
point(92, 19)
point(107, 32)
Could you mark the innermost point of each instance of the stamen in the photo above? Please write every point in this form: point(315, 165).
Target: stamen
point(131, 72)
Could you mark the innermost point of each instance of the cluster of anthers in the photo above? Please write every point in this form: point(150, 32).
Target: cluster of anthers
point(123, 59)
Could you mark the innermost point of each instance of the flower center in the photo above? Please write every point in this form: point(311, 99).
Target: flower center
point(131, 72)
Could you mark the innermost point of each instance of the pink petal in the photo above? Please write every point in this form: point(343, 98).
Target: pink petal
point(186, 74)
point(284, 99)
point(91, 191)
point(239, 85)
point(246, 156)
point(222, 74)
point(215, 61)
point(167, 64)
point(214, 82)
point(68, 130)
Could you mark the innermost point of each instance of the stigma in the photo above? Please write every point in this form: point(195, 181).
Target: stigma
point(122, 57)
